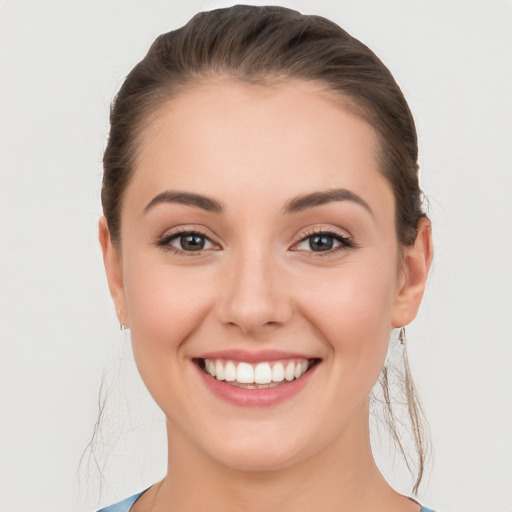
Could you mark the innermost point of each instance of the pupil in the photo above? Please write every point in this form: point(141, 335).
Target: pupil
point(321, 243)
point(192, 242)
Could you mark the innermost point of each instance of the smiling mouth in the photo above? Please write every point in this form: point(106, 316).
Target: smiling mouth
point(262, 375)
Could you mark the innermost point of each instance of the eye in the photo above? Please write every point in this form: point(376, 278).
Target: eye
point(186, 241)
point(325, 241)
point(190, 242)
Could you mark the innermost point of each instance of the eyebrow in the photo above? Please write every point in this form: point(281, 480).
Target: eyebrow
point(295, 205)
point(186, 198)
point(306, 201)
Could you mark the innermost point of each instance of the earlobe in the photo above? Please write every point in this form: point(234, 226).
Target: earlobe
point(113, 270)
point(417, 259)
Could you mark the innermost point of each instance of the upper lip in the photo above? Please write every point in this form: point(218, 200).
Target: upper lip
point(253, 357)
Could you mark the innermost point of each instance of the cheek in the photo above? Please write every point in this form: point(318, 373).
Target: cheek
point(354, 297)
point(354, 314)
point(163, 298)
point(165, 306)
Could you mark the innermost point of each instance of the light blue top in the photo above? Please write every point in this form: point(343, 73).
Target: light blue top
point(123, 506)
point(126, 505)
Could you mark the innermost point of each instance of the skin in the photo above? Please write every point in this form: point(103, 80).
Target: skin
point(258, 286)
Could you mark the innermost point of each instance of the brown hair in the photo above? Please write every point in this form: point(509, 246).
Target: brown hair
point(263, 45)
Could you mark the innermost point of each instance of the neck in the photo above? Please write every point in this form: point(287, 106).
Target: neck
point(341, 477)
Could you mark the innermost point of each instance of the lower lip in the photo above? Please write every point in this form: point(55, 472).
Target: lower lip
point(266, 397)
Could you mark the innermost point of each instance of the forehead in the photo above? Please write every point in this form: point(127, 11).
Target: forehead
point(226, 136)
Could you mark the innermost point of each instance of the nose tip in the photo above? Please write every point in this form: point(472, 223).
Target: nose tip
point(254, 299)
point(253, 318)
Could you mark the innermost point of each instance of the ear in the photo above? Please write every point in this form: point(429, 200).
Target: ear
point(415, 266)
point(114, 271)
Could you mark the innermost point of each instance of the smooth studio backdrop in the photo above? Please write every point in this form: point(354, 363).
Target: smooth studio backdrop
point(60, 64)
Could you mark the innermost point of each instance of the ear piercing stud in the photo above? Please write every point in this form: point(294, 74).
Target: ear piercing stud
point(121, 325)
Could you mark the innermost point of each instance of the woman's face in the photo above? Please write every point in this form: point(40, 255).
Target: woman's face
point(258, 242)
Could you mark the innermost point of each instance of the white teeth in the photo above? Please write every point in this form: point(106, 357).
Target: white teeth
point(230, 372)
point(245, 373)
point(261, 374)
point(219, 370)
point(278, 373)
point(289, 373)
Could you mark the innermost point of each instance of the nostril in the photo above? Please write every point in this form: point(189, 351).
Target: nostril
point(252, 326)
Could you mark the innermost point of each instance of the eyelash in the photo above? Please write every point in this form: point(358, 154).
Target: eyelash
point(165, 242)
point(344, 242)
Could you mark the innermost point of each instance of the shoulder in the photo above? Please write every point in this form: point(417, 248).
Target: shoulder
point(122, 506)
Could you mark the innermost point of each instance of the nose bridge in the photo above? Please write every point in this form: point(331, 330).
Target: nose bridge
point(254, 297)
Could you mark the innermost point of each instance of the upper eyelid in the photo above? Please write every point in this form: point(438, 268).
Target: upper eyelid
point(192, 229)
point(336, 232)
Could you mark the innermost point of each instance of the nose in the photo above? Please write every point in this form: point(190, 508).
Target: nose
point(254, 296)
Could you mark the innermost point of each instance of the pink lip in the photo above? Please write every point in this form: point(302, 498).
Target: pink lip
point(253, 357)
point(244, 397)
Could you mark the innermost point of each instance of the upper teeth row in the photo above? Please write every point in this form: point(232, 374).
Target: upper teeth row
point(262, 373)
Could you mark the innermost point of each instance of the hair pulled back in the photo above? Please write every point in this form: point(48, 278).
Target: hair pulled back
point(258, 45)
point(266, 45)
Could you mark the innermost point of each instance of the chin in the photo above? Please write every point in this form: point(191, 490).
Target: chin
point(258, 452)
point(256, 459)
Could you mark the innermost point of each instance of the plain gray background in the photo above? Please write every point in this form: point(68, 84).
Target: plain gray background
point(61, 63)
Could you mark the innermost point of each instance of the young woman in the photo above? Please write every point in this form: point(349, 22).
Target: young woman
point(263, 237)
